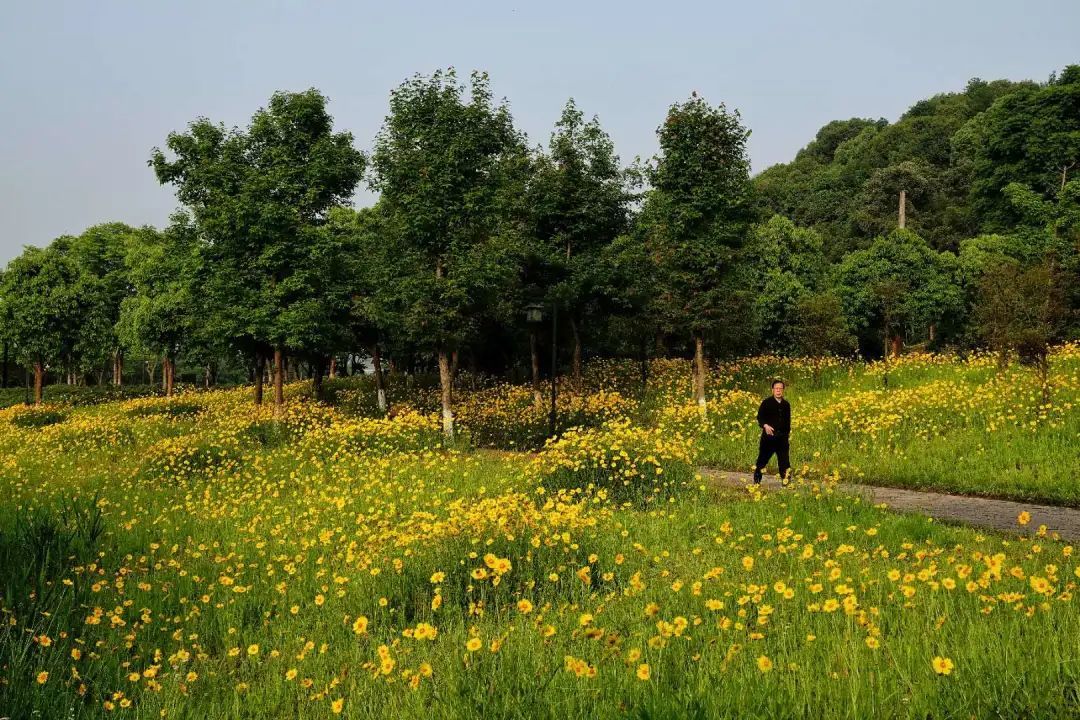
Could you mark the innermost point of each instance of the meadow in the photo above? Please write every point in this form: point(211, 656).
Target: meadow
point(194, 558)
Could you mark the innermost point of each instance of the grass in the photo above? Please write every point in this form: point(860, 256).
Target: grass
point(193, 558)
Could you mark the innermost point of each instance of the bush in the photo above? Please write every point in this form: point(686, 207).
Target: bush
point(617, 461)
point(37, 417)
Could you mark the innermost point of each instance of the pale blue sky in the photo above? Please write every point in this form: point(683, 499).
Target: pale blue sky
point(89, 88)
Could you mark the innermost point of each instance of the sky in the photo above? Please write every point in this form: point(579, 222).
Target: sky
point(89, 88)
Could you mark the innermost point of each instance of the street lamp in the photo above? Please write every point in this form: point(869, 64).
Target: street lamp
point(534, 315)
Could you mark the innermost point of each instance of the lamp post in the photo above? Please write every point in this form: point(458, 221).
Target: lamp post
point(534, 316)
point(554, 365)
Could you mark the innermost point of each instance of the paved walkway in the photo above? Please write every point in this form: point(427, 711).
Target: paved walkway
point(979, 512)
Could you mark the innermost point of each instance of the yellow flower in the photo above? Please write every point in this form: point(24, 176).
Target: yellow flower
point(1023, 518)
point(290, 674)
point(337, 705)
point(253, 649)
point(643, 671)
point(764, 664)
point(943, 665)
point(360, 625)
point(474, 644)
point(438, 577)
point(42, 677)
point(320, 599)
point(872, 643)
point(524, 607)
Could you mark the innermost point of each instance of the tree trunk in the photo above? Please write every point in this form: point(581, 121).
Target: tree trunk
point(206, 376)
point(661, 345)
point(39, 381)
point(446, 381)
point(932, 331)
point(534, 350)
point(167, 376)
point(333, 366)
point(260, 363)
point(896, 343)
point(317, 369)
point(380, 388)
point(699, 370)
point(151, 372)
point(279, 382)
point(118, 368)
point(644, 365)
point(576, 366)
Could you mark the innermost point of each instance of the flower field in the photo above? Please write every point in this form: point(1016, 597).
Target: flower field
point(194, 558)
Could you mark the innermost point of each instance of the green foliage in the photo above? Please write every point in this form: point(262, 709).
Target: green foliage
point(896, 287)
point(781, 263)
point(846, 182)
point(698, 215)
point(38, 417)
point(577, 199)
point(1021, 310)
point(259, 197)
point(40, 307)
point(450, 172)
point(1031, 137)
point(157, 318)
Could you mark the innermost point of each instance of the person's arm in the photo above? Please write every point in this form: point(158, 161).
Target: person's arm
point(761, 418)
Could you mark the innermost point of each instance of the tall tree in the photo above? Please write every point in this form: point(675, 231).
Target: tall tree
point(782, 264)
point(700, 202)
point(40, 308)
point(259, 197)
point(579, 204)
point(157, 319)
point(99, 253)
point(448, 170)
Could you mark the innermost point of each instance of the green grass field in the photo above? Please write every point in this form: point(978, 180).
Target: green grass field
point(193, 558)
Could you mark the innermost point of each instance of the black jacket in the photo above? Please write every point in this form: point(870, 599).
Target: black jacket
point(776, 414)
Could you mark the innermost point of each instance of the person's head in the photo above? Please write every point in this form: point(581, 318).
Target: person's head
point(778, 389)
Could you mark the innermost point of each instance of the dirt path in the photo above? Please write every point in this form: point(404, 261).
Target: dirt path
point(979, 512)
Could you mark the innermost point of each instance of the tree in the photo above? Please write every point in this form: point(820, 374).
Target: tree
point(40, 308)
point(1031, 137)
point(1022, 311)
point(896, 288)
point(450, 173)
point(820, 329)
point(157, 319)
point(845, 182)
point(369, 262)
point(578, 201)
point(259, 196)
point(781, 263)
point(99, 253)
point(700, 210)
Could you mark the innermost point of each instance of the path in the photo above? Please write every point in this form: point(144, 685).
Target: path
point(978, 512)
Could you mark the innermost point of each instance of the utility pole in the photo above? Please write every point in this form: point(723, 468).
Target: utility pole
point(903, 208)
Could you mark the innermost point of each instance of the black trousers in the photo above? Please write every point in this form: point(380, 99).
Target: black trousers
point(767, 447)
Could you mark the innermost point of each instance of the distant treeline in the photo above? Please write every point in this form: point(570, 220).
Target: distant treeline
point(481, 244)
